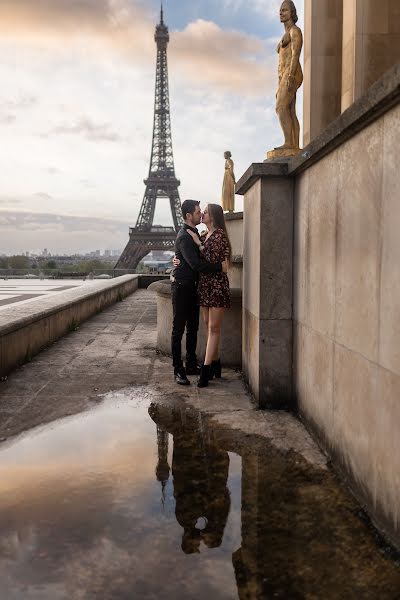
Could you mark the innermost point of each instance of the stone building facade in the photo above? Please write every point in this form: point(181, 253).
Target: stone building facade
point(321, 254)
point(348, 46)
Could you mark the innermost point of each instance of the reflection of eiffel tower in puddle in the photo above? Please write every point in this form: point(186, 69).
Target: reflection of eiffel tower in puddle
point(161, 182)
point(162, 468)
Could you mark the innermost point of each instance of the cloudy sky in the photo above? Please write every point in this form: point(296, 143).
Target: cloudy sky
point(76, 110)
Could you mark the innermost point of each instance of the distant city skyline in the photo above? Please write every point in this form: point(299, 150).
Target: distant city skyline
point(76, 110)
point(105, 252)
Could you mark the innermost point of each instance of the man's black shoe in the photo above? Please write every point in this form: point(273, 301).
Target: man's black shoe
point(181, 379)
point(193, 370)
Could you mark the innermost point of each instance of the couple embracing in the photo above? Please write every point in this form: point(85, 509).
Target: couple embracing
point(200, 280)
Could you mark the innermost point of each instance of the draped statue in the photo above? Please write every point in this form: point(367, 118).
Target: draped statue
point(228, 188)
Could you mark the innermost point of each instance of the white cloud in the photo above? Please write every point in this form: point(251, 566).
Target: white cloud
point(96, 132)
point(19, 101)
point(202, 51)
point(227, 59)
point(268, 8)
point(82, 82)
point(7, 119)
point(59, 232)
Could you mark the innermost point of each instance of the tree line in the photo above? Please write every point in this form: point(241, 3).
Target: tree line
point(22, 262)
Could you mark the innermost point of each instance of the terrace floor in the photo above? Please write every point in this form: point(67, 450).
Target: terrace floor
point(116, 483)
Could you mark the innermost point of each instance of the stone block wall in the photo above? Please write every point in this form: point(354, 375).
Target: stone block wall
point(371, 44)
point(234, 226)
point(348, 46)
point(347, 311)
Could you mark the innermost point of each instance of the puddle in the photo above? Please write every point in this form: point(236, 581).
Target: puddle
point(138, 500)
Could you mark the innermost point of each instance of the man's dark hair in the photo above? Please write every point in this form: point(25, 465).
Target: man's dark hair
point(189, 206)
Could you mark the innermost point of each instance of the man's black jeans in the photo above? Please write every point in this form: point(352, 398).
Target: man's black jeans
point(186, 314)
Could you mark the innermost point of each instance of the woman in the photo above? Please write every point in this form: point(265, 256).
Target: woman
point(213, 289)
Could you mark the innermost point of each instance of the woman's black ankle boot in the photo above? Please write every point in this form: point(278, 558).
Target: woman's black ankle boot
point(204, 376)
point(216, 369)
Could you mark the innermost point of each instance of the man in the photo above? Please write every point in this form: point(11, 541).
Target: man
point(184, 293)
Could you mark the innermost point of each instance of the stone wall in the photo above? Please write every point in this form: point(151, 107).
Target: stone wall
point(323, 34)
point(348, 46)
point(371, 44)
point(234, 226)
point(347, 311)
point(333, 280)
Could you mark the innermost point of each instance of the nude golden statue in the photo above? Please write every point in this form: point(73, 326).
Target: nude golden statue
point(290, 80)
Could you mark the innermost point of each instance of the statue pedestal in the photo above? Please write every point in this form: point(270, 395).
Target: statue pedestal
point(283, 153)
point(267, 283)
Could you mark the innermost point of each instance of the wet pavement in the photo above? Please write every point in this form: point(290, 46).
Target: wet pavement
point(152, 491)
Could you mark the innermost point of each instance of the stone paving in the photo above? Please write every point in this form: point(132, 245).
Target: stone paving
point(299, 523)
point(115, 350)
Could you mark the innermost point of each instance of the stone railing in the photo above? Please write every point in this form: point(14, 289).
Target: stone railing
point(25, 329)
point(231, 343)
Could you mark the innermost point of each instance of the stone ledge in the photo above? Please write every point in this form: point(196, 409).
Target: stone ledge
point(237, 259)
point(235, 216)
point(15, 317)
point(25, 330)
point(163, 288)
point(381, 97)
point(231, 340)
point(257, 170)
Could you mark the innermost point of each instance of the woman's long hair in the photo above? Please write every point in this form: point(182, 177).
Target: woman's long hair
point(218, 220)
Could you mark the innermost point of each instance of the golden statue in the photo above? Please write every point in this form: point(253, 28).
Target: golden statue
point(228, 188)
point(290, 79)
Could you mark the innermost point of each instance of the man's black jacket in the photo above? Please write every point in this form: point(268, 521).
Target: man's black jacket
point(189, 255)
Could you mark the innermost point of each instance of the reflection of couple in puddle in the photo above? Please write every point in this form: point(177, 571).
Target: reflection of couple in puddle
point(301, 532)
point(200, 475)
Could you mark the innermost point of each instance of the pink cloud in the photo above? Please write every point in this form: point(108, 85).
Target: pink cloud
point(202, 52)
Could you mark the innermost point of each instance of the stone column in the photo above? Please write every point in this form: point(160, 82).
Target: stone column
point(323, 24)
point(371, 44)
point(267, 282)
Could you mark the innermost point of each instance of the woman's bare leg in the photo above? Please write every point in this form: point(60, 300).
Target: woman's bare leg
point(205, 316)
point(215, 317)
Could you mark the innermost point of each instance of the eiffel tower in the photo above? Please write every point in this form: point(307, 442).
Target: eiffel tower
point(161, 182)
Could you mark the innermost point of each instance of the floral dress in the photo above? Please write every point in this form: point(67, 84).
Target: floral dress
point(214, 287)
